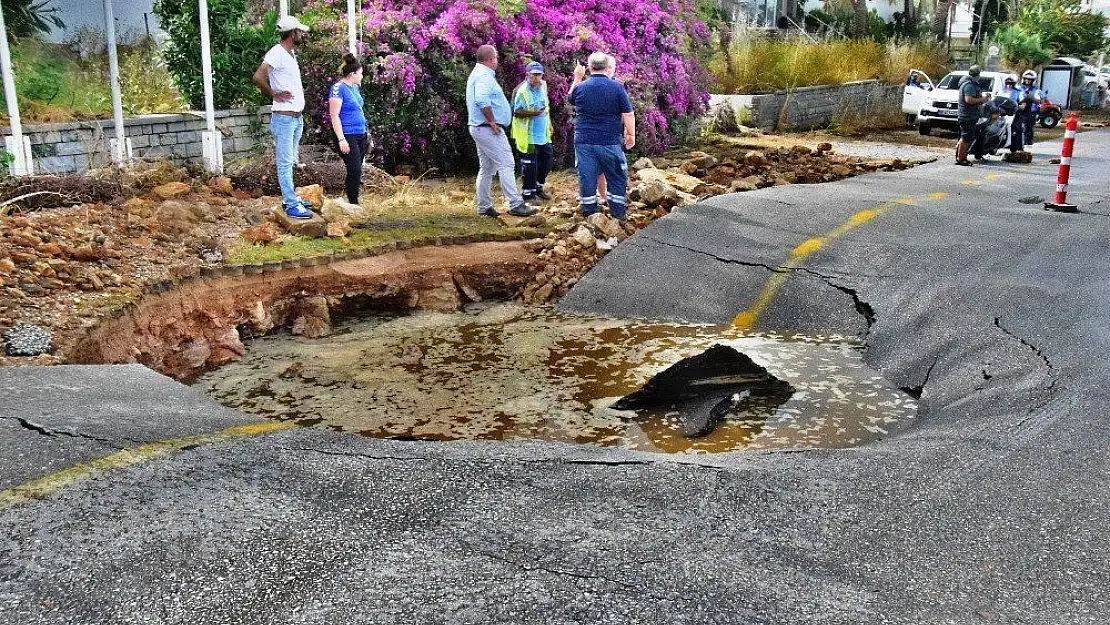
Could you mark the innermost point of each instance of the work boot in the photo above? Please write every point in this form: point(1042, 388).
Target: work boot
point(543, 195)
point(524, 210)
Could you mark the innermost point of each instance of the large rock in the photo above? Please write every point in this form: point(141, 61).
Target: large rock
point(313, 194)
point(336, 210)
point(749, 183)
point(314, 227)
point(643, 163)
point(658, 193)
point(171, 190)
point(226, 347)
point(262, 233)
point(606, 225)
point(512, 221)
point(584, 238)
point(339, 228)
point(701, 160)
point(221, 184)
point(678, 180)
point(313, 319)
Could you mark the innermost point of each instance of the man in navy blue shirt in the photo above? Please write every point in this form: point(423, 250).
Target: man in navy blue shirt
point(605, 127)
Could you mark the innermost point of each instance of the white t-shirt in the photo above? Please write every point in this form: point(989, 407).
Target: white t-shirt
point(285, 75)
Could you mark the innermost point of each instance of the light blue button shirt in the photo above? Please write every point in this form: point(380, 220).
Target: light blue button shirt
point(482, 90)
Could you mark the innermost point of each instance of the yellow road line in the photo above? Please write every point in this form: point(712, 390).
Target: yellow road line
point(746, 319)
point(44, 486)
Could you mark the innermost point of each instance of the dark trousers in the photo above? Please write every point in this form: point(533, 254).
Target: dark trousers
point(353, 158)
point(594, 160)
point(1030, 122)
point(534, 166)
point(1017, 131)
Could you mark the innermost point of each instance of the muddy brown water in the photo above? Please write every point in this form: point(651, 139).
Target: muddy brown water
point(508, 372)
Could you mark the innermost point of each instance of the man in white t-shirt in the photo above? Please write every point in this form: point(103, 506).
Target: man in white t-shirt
point(279, 78)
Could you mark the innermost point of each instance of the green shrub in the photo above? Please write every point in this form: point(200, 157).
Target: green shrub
point(237, 49)
point(1021, 48)
point(145, 82)
point(1064, 26)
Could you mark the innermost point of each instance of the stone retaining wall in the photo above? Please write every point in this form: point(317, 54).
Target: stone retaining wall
point(805, 107)
point(78, 146)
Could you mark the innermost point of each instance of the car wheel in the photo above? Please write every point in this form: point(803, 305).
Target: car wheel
point(925, 129)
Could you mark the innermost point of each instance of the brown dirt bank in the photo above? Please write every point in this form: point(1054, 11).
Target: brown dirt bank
point(203, 322)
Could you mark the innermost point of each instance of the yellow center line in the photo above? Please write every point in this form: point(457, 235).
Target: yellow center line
point(42, 487)
point(746, 319)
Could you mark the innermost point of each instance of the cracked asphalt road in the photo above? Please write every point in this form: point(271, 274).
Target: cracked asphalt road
point(993, 509)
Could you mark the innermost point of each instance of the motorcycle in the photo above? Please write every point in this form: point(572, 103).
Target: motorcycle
point(1049, 113)
point(994, 126)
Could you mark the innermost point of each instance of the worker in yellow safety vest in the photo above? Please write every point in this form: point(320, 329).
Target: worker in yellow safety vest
point(531, 131)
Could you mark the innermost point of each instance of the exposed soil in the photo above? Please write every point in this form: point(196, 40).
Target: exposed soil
point(68, 269)
point(202, 323)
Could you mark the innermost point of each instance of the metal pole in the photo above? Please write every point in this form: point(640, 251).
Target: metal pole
point(206, 67)
point(352, 18)
point(21, 166)
point(213, 141)
point(113, 79)
point(283, 8)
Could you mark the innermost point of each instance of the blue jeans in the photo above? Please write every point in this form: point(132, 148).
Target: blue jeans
point(594, 160)
point(287, 136)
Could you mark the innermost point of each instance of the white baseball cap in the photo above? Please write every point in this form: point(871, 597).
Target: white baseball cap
point(289, 23)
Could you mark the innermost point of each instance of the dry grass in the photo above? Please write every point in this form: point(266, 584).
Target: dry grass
point(929, 57)
point(419, 210)
point(755, 64)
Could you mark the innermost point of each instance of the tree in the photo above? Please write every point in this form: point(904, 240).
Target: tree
point(28, 18)
point(1020, 48)
point(859, 18)
point(237, 49)
point(1063, 26)
point(941, 11)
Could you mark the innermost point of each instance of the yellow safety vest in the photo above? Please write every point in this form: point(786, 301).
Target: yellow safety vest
point(522, 126)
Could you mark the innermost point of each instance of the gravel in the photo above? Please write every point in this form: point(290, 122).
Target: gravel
point(25, 339)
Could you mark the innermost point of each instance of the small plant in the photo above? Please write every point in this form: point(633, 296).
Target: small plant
point(237, 49)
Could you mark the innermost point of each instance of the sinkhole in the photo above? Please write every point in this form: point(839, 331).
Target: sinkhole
point(507, 372)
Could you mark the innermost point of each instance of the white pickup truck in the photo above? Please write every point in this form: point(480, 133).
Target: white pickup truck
point(936, 105)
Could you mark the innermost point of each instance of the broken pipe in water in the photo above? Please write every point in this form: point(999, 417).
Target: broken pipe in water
point(706, 388)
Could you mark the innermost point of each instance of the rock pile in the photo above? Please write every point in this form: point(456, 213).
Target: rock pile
point(572, 249)
point(665, 184)
point(62, 267)
point(25, 339)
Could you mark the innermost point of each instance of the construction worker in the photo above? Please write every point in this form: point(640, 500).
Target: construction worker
point(531, 131)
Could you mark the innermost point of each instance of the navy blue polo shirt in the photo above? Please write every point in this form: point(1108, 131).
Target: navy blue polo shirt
point(600, 101)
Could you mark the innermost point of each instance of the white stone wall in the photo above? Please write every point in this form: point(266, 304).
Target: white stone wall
point(805, 107)
point(78, 146)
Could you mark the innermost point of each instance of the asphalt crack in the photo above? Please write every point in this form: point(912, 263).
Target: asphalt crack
point(917, 391)
point(1036, 350)
point(862, 307)
point(729, 261)
point(598, 462)
point(39, 429)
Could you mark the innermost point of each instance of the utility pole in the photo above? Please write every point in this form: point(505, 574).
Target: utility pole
point(120, 152)
point(16, 144)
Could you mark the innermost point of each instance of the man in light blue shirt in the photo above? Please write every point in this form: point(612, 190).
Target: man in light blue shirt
point(488, 115)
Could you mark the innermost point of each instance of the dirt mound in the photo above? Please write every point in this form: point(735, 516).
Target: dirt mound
point(323, 169)
point(57, 191)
